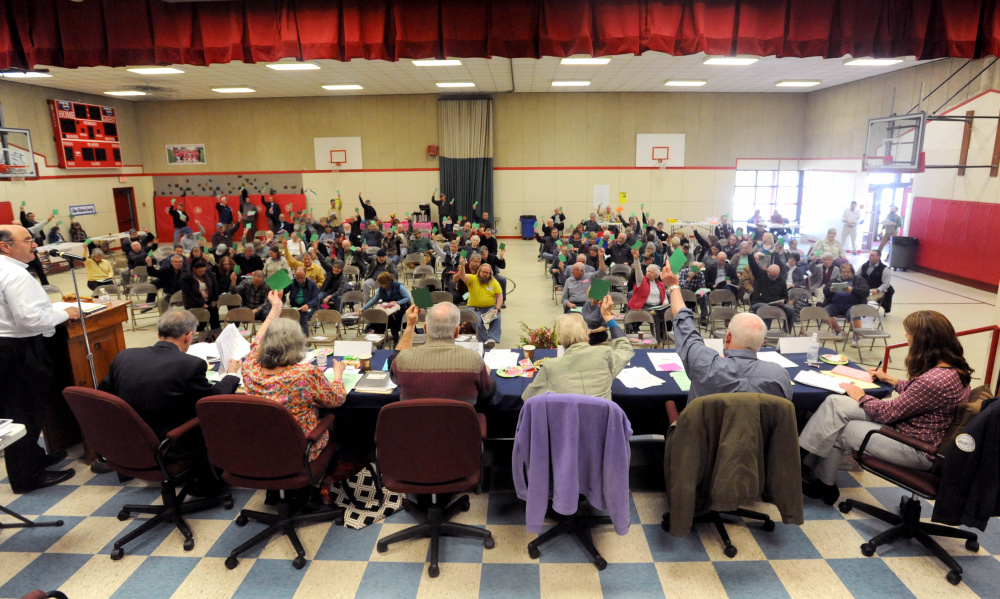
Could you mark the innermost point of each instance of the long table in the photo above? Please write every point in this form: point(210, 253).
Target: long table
point(644, 407)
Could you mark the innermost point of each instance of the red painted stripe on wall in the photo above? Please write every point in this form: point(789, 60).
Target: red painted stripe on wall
point(950, 234)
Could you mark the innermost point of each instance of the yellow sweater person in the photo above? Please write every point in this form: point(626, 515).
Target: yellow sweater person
point(313, 271)
point(99, 271)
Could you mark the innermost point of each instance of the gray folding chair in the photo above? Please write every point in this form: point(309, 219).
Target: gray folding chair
point(139, 306)
point(242, 317)
point(818, 316)
point(376, 316)
point(874, 333)
point(323, 318)
point(111, 289)
point(718, 321)
point(642, 317)
point(441, 296)
point(773, 314)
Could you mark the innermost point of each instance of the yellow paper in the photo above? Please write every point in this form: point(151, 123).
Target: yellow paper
point(673, 220)
point(622, 197)
point(860, 384)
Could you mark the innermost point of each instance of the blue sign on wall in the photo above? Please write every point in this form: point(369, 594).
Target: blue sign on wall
point(82, 210)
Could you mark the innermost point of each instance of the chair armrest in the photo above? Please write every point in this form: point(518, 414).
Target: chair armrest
point(324, 425)
point(899, 438)
point(183, 429)
point(482, 425)
point(671, 412)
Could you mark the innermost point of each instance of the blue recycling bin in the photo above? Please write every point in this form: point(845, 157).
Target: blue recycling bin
point(527, 226)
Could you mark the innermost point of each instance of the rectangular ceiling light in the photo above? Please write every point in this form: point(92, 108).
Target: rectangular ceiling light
point(570, 83)
point(871, 62)
point(126, 92)
point(342, 88)
point(585, 61)
point(733, 61)
point(23, 74)
point(685, 82)
point(155, 70)
point(234, 90)
point(456, 84)
point(798, 83)
point(438, 63)
point(293, 66)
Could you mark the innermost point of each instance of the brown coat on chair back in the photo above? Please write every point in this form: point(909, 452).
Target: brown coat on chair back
point(728, 450)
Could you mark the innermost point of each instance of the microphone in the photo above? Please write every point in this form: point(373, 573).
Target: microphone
point(66, 255)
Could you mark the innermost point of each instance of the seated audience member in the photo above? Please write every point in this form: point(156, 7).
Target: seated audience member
point(738, 370)
point(732, 246)
point(796, 276)
point(197, 253)
point(823, 272)
point(334, 287)
point(253, 292)
point(163, 383)
point(719, 274)
point(649, 293)
point(378, 266)
point(439, 368)
point(769, 288)
point(275, 262)
point(575, 289)
point(879, 278)
point(592, 226)
point(225, 274)
point(620, 250)
point(547, 247)
point(394, 245)
point(583, 369)
point(272, 371)
point(199, 289)
point(723, 230)
point(485, 300)
point(249, 261)
point(99, 271)
point(827, 244)
point(422, 245)
point(770, 249)
point(303, 297)
point(189, 238)
point(313, 270)
point(284, 226)
point(54, 236)
point(839, 303)
point(390, 291)
point(168, 278)
point(135, 256)
point(470, 267)
point(742, 258)
point(223, 236)
point(938, 385)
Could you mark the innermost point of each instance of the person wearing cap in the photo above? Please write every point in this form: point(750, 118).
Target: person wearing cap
point(189, 239)
point(334, 286)
point(313, 270)
point(223, 236)
point(220, 251)
point(380, 265)
point(225, 212)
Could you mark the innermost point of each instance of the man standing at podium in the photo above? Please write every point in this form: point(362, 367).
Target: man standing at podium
point(27, 374)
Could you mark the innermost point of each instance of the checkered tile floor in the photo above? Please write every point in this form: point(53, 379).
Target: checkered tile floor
point(819, 559)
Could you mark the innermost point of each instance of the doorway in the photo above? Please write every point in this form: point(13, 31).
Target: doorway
point(125, 209)
point(885, 191)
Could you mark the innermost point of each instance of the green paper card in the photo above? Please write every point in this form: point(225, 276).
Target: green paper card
point(463, 253)
point(56, 212)
point(150, 254)
point(248, 226)
point(422, 298)
point(357, 210)
point(682, 379)
point(503, 246)
point(173, 200)
point(637, 244)
point(314, 237)
point(87, 241)
point(677, 261)
point(353, 248)
point(559, 243)
point(279, 280)
point(393, 229)
point(694, 268)
point(435, 230)
point(562, 257)
point(59, 222)
point(465, 295)
point(236, 268)
point(407, 215)
point(24, 204)
point(598, 289)
point(475, 226)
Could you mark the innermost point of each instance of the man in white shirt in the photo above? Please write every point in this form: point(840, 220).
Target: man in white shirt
point(852, 216)
point(27, 374)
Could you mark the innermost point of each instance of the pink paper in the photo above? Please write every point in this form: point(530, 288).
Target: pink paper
point(668, 367)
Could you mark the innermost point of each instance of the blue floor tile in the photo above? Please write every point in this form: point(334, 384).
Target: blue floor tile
point(47, 571)
point(127, 495)
point(505, 508)
point(234, 536)
point(40, 501)
point(889, 498)
point(388, 579)
point(668, 548)
point(846, 480)
point(869, 577)
point(270, 579)
point(814, 509)
point(980, 573)
point(869, 527)
point(750, 580)
point(240, 499)
point(460, 550)
point(509, 580)
point(108, 479)
point(784, 542)
point(346, 544)
point(631, 580)
point(156, 578)
point(566, 549)
point(37, 540)
point(147, 543)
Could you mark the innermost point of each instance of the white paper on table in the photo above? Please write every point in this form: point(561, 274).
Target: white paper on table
point(815, 379)
point(463, 338)
point(638, 378)
point(500, 358)
point(666, 361)
point(205, 351)
point(352, 348)
point(309, 357)
point(475, 346)
point(776, 358)
point(88, 307)
point(716, 344)
point(214, 376)
point(231, 345)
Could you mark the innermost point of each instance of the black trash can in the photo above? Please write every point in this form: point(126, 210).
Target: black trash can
point(902, 252)
point(528, 226)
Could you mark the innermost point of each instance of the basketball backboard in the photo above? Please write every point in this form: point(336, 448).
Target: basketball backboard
point(16, 155)
point(895, 143)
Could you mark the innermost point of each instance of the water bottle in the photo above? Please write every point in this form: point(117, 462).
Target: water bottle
point(103, 296)
point(812, 356)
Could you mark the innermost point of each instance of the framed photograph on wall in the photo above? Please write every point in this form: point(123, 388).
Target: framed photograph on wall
point(178, 154)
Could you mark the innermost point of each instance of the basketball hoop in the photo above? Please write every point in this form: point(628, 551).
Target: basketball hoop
point(15, 173)
point(336, 166)
point(662, 164)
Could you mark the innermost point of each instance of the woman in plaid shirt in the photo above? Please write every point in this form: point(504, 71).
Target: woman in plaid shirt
point(938, 384)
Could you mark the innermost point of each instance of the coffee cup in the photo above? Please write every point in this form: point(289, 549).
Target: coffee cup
point(366, 363)
point(640, 335)
point(529, 352)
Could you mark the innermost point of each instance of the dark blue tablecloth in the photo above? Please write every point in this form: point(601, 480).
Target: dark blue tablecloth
point(644, 407)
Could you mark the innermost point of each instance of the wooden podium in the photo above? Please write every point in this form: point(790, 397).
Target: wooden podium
point(107, 338)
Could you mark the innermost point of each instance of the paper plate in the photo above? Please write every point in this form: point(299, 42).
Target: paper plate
point(510, 372)
point(324, 351)
point(834, 358)
point(539, 362)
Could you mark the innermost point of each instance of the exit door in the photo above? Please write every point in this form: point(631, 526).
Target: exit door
point(125, 209)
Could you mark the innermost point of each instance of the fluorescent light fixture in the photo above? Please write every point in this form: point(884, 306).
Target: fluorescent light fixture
point(155, 70)
point(451, 62)
point(685, 82)
point(234, 90)
point(570, 83)
point(798, 83)
point(456, 84)
point(733, 61)
point(585, 61)
point(871, 62)
point(23, 74)
point(126, 92)
point(341, 88)
point(293, 66)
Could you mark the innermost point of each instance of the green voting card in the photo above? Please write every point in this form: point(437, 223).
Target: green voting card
point(279, 280)
point(598, 289)
point(637, 244)
point(503, 246)
point(314, 237)
point(422, 298)
point(677, 261)
point(463, 253)
point(562, 257)
point(56, 212)
point(236, 268)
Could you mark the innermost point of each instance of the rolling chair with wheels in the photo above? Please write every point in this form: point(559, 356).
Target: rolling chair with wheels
point(698, 465)
point(431, 446)
point(257, 444)
point(115, 432)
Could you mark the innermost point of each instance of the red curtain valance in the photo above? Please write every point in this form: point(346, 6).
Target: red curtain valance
point(138, 32)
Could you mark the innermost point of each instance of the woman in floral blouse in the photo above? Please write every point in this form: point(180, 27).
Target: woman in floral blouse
point(272, 370)
point(925, 407)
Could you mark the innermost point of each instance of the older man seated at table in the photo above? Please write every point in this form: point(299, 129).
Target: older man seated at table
point(439, 368)
point(736, 371)
point(583, 369)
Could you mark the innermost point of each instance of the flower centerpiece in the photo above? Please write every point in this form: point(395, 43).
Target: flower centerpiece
point(541, 338)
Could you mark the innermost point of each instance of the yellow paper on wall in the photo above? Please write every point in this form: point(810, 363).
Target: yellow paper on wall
point(622, 197)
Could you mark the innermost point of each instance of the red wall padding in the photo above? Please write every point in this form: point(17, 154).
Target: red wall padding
point(201, 209)
point(951, 233)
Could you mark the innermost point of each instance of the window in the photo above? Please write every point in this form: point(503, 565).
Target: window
point(767, 191)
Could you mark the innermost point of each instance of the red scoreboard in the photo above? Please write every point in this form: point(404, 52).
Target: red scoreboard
point(86, 135)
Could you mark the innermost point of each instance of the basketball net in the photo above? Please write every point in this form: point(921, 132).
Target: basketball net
point(336, 166)
point(662, 164)
point(15, 173)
